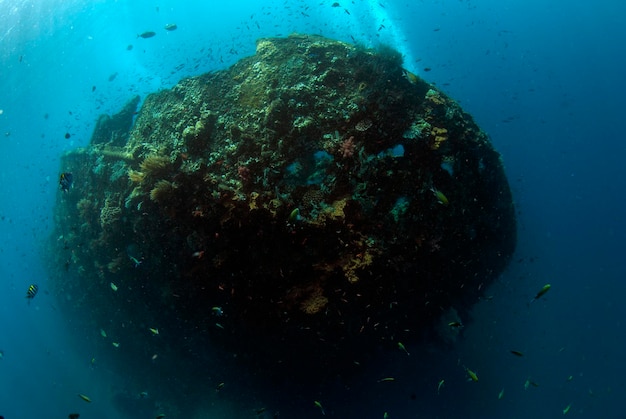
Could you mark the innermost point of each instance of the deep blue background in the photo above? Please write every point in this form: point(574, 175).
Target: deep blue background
point(545, 79)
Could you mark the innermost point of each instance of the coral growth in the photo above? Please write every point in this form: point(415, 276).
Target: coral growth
point(162, 192)
point(347, 147)
point(155, 166)
point(315, 302)
point(110, 213)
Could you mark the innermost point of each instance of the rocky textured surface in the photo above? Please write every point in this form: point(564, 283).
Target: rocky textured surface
point(311, 202)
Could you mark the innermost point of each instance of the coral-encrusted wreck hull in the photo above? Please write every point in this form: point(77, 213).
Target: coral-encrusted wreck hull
point(315, 195)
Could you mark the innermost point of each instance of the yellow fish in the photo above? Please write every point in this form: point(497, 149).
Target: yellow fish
point(412, 78)
point(403, 348)
point(541, 292)
point(318, 404)
point(85, 398)
point(441, 198)
point(471, 374)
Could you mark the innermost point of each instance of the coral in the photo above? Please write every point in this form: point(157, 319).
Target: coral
point(357, 263)
point(155, 166)
point(115, 265)
point(315, 300)
point(439, 136)
point(363, 125)
point(117, 153)
point(85, 209)
point(435, 97)
point(162, 191)
point(136, 176)
point(110, 213)
point(347, 147)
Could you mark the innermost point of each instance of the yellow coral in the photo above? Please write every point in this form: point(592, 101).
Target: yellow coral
point(440, 135)
point(357, 262)
point(435, 97)
point(315, 302)
point(154, 166)
point(252, 202)
point(333, 212)
point(136, 176)
point(162, 191)
point(110, 212)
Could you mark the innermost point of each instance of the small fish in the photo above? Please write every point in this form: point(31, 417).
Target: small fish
point(441, 198)
point(455, 324)
point(385, 415)
point(73, 416)
point(219, 386)
point(294, 216)
point(143, 395)
point(170, 27)
point(516, 353)
point(529, 383)
point(412, 78)
point(65, 181)
point(382, 380)
point(259, 411)
point(335, 4)
point(103, 333)
point(440, 385)
point(1, 354)
point(501, 394)
point(116, 344)
point(471, 374)
point(217, 311)
point(154, 331)
point(160, 416)
point(567, 408)
point(318, 404)
point(31, 292)
point(113, 286)
point(218, 325)
point(403, 348)
point(147, 34)
point(85, 398)
point(135, 261)
point(541, 292)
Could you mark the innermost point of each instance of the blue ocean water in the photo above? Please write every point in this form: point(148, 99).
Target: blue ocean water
point(543, 79)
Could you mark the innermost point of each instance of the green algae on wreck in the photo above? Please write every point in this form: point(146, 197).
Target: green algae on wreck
point(318, 195)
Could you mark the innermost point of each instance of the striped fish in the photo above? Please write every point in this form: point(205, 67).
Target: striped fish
point(32, 291)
